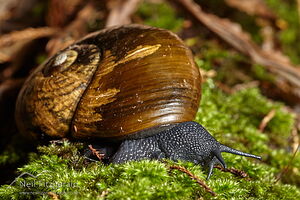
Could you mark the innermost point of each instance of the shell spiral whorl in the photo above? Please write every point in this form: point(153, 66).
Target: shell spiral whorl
point(112, 83)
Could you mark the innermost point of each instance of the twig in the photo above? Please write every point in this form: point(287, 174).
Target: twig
point(224, 87)
point(266, 120)
point(194, 177)
point(287, 168)
point(100, 156)
point(267, 33)
point(235, 172)
point(61, 12)
point(295, 145)
point(252, 7)
point(75, 30)
point(243, 86)
point(4, 58)
point(121, 11)
point(104, 193)
point(26, 34)
point(295, 139)
point(237, 87)
point(207, 74)
point(53, 195)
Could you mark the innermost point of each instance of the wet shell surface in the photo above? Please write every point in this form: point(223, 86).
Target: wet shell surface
point(111, 84)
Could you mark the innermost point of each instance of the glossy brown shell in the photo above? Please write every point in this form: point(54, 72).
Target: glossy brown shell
point(113, 83)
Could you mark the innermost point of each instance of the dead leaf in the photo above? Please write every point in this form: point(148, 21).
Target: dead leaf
point(121, 11)
point(26, 34)
point(252, 7)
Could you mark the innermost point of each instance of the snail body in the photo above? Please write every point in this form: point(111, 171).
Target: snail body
point(134, 83)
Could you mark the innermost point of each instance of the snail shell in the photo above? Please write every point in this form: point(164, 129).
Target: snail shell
point(111, 84)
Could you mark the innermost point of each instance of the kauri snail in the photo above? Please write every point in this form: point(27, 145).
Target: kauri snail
point(133, 83)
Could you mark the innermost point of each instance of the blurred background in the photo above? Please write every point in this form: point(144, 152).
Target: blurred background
point(248, 53)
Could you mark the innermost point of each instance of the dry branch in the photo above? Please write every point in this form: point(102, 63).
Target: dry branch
point(232, 33)
point(252, 7)
point(287, 167)
point(121, 12)
point(14, 42)
point(26, 34)
point(96, 153)
point(236, 172)
point(60, 12)
point(75, 30)
point(194, 177)
point(266, 120)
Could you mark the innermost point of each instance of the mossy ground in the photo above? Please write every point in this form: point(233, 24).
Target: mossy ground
point(232, 119)
point(61, 171)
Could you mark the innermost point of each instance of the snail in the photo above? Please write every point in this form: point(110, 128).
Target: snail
point(135, 84)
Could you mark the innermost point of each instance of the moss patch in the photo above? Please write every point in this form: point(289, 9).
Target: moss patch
point(233, 119)
point(160, 15)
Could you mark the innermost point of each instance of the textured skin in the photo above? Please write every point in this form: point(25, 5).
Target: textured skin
point(187, 141)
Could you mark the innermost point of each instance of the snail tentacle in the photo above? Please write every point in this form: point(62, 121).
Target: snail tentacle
point(211, 165)
point(224, 148)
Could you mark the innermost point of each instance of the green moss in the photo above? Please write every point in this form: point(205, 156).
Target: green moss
point(160, 15)
point(9, 156)
point(233, 119)
point(136, 180)
point(261, 73)
point(290, 33)
point(213, 55)
point(241, 112)
point(14, 153)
